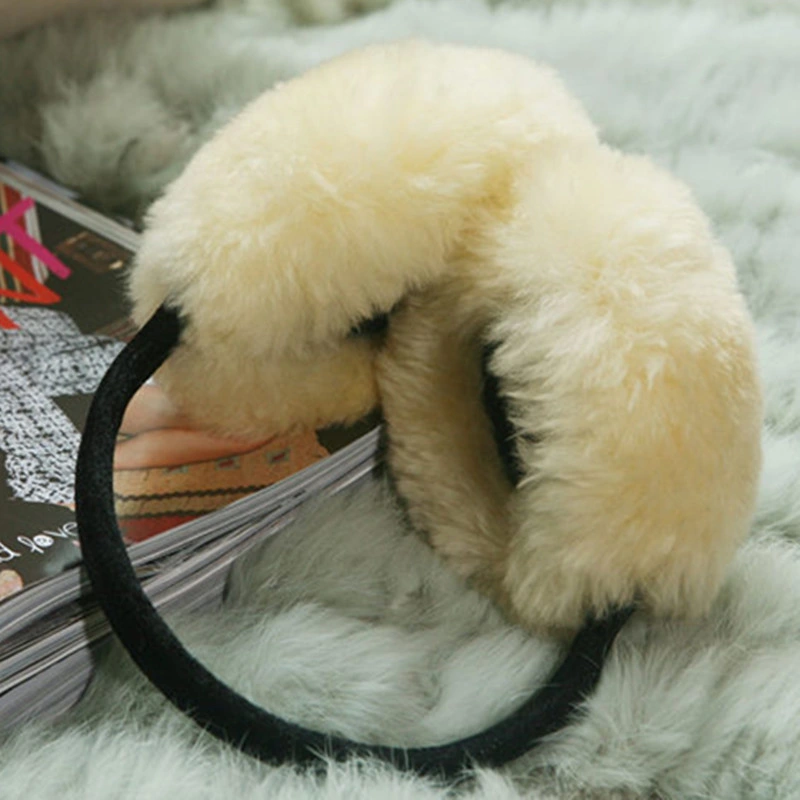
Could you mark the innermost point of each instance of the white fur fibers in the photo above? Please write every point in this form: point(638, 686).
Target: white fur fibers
point(348, 623)
point(114, 104)
point(711, 89)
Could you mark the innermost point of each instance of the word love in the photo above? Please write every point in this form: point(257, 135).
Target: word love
point(38, 544)
point(33, 291)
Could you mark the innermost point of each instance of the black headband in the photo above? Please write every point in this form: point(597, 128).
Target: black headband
point(214, 705)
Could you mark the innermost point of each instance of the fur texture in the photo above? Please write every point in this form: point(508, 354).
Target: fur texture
point(468, 186)
point(348, 622)
point(16, 17)
point(686, 710)
point(114, 104)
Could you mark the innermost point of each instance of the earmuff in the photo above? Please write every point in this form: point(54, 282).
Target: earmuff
point(214, 705)
point(522, 260)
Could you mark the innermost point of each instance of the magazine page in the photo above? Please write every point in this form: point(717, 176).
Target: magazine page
point(63, 318)
point(52, 642)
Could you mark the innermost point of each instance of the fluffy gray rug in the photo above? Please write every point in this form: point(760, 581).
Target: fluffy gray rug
point(347, 622)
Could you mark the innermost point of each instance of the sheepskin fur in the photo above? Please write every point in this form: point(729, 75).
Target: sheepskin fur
point(16, 16)
point(348, 622)
point(114, 104)
point(709, 88)
point(469, 187)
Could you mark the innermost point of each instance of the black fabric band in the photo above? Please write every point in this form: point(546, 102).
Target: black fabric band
point(213, 704)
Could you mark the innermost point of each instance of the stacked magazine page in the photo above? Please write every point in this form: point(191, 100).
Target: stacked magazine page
point(188, 502)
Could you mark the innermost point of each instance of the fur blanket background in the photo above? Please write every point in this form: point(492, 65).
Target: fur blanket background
point(347, 621)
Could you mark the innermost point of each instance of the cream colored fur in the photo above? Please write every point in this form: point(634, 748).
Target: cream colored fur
point(470, 186)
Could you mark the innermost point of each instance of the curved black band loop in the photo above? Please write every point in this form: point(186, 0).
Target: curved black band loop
point(214, 705)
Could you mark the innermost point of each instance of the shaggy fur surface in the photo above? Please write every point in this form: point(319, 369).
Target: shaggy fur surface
point(115, 104)
point(350, 623)
point(471, 192)
point(16, 17)
point(361, 628)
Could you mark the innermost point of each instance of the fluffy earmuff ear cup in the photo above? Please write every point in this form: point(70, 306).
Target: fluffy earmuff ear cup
point(214, 705)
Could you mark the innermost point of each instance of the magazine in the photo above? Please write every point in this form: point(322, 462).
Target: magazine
point(49, 674)
point(187, 501)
